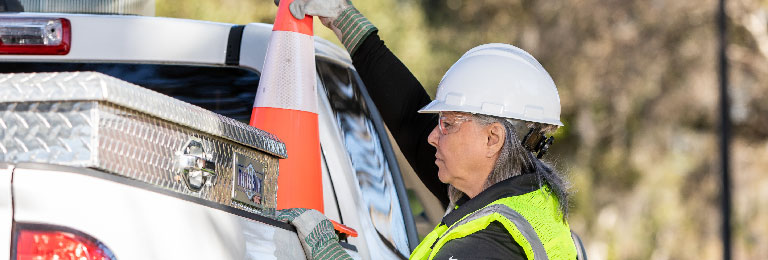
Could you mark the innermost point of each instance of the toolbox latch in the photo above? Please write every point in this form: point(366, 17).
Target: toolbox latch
point(196, 169)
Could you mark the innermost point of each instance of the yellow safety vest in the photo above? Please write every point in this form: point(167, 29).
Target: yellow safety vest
point(532, 219)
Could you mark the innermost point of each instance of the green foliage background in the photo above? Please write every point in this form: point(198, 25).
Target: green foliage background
point(638, 86)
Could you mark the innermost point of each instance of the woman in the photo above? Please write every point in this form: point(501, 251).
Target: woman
point(504, 203)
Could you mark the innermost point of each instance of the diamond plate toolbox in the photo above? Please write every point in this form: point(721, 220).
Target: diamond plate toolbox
point(88, 119)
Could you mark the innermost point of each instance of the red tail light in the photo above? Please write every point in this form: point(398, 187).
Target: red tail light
point(37, 36)
point(59, 245)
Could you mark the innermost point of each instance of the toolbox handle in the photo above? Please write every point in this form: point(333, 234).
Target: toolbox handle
point(196, 170)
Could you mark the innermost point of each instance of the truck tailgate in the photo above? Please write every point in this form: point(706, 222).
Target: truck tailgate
point(138, 222)
point(6, 208)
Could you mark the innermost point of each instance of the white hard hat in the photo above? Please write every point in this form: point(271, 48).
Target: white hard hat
point(499, 80)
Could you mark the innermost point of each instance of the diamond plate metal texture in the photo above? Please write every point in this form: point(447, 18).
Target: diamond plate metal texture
point(79, 86)
point(111, 137)
point(124, 142)
point(64, 133)
point(144, 148)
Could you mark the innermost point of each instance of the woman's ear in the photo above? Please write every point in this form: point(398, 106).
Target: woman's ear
point(496, 135)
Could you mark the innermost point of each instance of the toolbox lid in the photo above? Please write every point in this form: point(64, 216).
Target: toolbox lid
point(94, 86)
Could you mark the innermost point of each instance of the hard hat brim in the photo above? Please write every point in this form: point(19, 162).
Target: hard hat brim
point(436, 106)
point(430, 108)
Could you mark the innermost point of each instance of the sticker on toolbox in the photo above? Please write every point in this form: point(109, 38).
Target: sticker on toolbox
point(248, 183)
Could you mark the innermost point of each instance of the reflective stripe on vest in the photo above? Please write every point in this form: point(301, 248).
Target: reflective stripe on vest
point(533, 220)
point(520, 222)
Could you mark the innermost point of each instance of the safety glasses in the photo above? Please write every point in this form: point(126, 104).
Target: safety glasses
point(450, 122)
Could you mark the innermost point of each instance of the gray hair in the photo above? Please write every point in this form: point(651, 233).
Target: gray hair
point(515, 160)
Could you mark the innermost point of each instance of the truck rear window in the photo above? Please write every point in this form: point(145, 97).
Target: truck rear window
point(228, 91)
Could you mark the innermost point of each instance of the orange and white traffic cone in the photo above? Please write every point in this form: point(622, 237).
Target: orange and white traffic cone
point(286, 106)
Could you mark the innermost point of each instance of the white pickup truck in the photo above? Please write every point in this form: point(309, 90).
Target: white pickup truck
point(124, 136)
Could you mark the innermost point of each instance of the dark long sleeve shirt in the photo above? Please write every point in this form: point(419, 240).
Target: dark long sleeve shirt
point(398, 95)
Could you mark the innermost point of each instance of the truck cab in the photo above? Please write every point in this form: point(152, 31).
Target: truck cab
point(213, 66)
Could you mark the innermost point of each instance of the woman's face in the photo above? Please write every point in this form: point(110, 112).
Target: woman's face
point(461, 151)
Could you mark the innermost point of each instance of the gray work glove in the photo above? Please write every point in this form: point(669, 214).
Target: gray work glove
point(349, 25)
point(316, 233)
point(325, 9)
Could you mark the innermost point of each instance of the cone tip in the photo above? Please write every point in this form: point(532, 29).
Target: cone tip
point(284, 21)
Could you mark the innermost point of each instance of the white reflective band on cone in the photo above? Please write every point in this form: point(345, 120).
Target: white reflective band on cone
point(297, 72)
